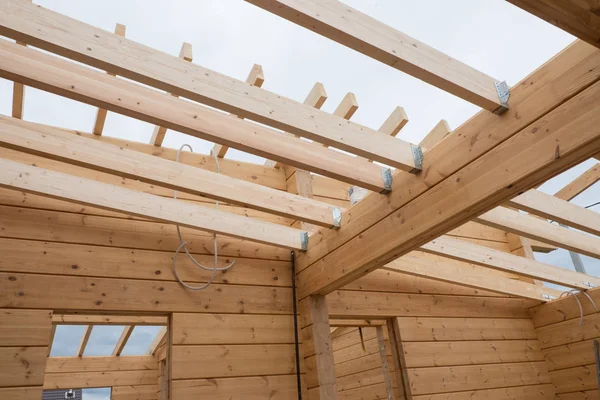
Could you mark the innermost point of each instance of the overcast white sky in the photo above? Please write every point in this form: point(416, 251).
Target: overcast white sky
point(229, 36)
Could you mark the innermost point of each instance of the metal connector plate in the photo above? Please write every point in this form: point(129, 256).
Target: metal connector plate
point(503, 94)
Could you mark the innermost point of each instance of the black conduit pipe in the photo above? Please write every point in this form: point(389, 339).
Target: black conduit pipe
point(296, 325)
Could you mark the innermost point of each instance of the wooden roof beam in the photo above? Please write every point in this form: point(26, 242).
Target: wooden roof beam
point(157, 341)
point(351, 28)
point(84, 340)
point(120, 345)
point(550, 207)
point(77, 82)
point(577, 17)
point(256, 77)
point(460, 250)
point(67, 187)
point(65, 147)
point(159, 132)
point(315, 98)
point(484, 183)
point(580, 184)
point(62, 35)
point(18, 100)
point(355, 323)
point(540, 229)
point(101, 112)
point(98, 319)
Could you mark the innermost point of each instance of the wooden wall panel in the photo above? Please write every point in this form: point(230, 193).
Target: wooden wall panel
point(567, 339)
point(135, 392)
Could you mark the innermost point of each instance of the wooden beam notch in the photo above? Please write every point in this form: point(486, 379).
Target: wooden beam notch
point(101, 113)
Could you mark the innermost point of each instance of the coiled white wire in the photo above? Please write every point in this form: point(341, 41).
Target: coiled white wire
point(183, 244)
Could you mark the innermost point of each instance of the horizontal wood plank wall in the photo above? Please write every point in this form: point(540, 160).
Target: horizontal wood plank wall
point(24, 340)
point(359, 372)
point(567, 341)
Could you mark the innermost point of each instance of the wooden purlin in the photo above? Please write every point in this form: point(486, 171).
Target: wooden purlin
point(84, 340)
point(553, 86)
point(580, 184)
point(349, 27)
point(159, 133)
point(122, 342)
point(47, 31)
point(71, 80)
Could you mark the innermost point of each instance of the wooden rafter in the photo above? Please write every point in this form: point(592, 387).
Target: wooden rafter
point(93, 319)
point(578, 17)
point(472, 253)
point(256, 77)
point(101, 113)
point(345, 25)
point(46, 29)
point(543, 205)
point(63, 146)
point(365, 323)
point(111, 197)
point(542, 230)
point(51, 340)
point(465, 274)
point(480, 185)
point(159, 132)
point(315, 98)
point(394, 123)
point(436, 135)
point(579, 184)
point(84, 340)
point(96, 88)
point(120, 345)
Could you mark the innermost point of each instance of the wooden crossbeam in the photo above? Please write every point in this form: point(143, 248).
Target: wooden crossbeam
point(347, 107)
point(472, 253)
point(256, 77)
point(96, 88)
point(436, 135)
point(45, 29)
point(315, 98)
point(120, 345)
point(84, 340)
point(63, 146)
point(67, 187)
point(419, 264)
point(364, 323)
point(579, 184)
point(159, 132)
point(351, 28)
point(101, 112)
point(578, 17)
point(542, 230)
point(550, 207)
point(394, 123)
point(98, 319)
point(376, 222)
point(157, 340)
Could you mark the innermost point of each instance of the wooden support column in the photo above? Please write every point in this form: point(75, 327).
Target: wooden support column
point(403, 391)
point(18, 95)
point(318, 350)
point(102, 112)
point(384, 364)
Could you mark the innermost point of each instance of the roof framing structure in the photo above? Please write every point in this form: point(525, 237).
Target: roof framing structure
point(419, 195)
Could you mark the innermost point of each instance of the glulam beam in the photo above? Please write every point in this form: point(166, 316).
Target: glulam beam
point(358, 31)
point(67, 187)
point(62, 35)
point(80, 83)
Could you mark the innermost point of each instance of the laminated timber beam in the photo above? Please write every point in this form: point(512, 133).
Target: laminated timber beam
point(550, 207)
point(472, 253)
point(465, 177)
point(54, 32)
point(542, 230)
point(580, 18)
point(351, 28)
point(580, 184)
point(464, 274)
point(77, 82)
point(67, 187)
point(104, 157)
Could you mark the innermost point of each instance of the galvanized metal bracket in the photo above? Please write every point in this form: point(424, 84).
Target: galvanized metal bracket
point(337, 216)
point(417, 153)
point(304, 241)
point(503, 92)
point(589, 284)
point(386, 174)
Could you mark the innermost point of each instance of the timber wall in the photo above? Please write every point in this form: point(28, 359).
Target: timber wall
point(567, 343)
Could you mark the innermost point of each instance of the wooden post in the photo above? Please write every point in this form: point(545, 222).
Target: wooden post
point(398, 357)
point(318, 350)
point(384, 363)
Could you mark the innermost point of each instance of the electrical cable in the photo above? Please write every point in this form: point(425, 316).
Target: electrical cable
point(183, 244)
